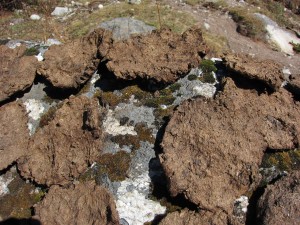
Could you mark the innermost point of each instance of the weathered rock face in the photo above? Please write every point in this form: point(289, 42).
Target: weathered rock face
point(123, 27)
point(83, 204)
point(161, 56)
point(212, 148)
point(14, 133)
point(267, 71)
point(186, 217)
point(60, 151)
point(72, 64)
point(17, 71)
point(280, 203)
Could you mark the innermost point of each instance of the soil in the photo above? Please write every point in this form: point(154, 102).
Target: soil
point(213, 156)
point(85, 203)
point(60, 151)
point(17, 71)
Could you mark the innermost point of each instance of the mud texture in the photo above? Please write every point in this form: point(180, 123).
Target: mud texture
point(280, 203)
point(83, 204)
point(60, 151)
point(17, 71)
point(161, 56)
point(186, 217)
point(267, 71)
point(71, 65)
point(212, 148)
point(14, 133)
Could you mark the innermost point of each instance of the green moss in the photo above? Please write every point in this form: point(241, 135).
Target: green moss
point(114, 165)
point(192, 77)
point(143, 134)
point(207, 67)
point(109, 98)
point(20, 200)
point(207, 78)
point(136, 91)
point(174, 87)
point(128, 140)
point(163, 113)
point(288, 160)
point(31, 51)
point(158, 101)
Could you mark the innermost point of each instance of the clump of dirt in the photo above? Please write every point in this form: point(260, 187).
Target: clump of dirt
point(71, 65)
point(224, 143)
point(280, 202)
point(17, 72)
point(266, 71)
point(14, 133)
point(60, 151)
point(84, 203)
point(161, 56)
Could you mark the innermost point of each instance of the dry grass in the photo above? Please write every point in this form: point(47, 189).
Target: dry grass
point(83, 21)
point(248, 24)
point(216, 44)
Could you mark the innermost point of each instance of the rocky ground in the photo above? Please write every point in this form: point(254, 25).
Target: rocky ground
point(170, 112)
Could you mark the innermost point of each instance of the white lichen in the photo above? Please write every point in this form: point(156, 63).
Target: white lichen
point(34, 108)
point(132, 204)
point(112, 126)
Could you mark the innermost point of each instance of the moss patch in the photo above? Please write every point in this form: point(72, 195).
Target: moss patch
point(143, 134)
point(114, 165)
point(288, 161)
point(192, 77)
point(248, 24)
point(19, 201)
point(31, 51)
point(174, 87)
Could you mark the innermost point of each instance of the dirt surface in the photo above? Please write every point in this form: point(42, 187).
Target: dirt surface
point(14, 133)
point(85, 203)
point(60, 151)
point(186, 217)
point(280, 203)
point(162, 56)
point(266, 71)
point(221, 25)
point(212, 148)
point(72, 64)
point(17, 71)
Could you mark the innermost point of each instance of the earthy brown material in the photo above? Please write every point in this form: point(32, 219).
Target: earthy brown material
point(72, 64)
point(212, 148)
point(83, 204)
point(162, 56)
point(17, 72)
point(294, 84)
point(280, 203)
point(60, 151)
point(14, 133)
point(186, 217)
point(267, 71)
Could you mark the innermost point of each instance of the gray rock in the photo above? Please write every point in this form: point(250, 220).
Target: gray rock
point(136, 2)
point(123, 27)
point(61, 11)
